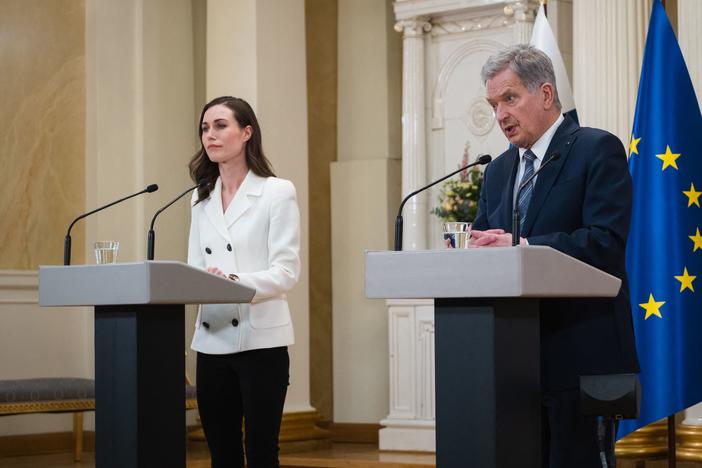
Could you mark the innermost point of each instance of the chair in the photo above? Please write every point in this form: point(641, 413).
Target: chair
point(50, 395)
point(60, 395)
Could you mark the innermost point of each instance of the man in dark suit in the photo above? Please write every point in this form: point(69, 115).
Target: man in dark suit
point(580, 204)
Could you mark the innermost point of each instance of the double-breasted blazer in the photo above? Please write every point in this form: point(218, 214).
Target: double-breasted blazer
point(258, 239)
point(581, 206)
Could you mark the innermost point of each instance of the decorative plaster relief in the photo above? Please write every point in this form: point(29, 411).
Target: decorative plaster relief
point(479, 117)
point(443, 27)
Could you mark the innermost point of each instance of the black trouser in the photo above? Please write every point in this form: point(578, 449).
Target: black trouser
point(569, 438)
point(250, 385)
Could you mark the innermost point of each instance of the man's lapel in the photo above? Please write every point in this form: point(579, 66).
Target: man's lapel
point(561, 143)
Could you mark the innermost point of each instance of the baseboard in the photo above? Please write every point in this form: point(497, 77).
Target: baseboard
point(52, 442)
point(356, 433)
point(298, 432)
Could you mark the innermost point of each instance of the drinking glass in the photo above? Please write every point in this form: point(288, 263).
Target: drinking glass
point(106, 252)
point(458, 233)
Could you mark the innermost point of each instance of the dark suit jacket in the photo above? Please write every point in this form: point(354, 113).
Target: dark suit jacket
point(581, 206)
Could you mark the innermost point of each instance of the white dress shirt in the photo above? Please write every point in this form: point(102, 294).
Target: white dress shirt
point(539, 149)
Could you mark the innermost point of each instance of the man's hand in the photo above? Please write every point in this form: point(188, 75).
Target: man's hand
point(492, 238)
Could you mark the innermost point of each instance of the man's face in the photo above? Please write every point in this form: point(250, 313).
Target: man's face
point(523, 116)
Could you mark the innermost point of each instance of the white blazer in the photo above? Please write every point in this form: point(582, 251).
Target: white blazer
point(258, 239)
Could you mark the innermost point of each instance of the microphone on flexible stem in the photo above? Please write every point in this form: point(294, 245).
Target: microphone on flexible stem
point(482, 159)
point(152, 235)
point(515, 214)
point(67, 240)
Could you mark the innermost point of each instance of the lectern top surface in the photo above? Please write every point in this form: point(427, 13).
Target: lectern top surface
point(148, 282)
point(523, 271)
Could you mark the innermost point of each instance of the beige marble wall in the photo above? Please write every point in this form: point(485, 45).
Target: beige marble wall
point(42, 130)
point(42, 174)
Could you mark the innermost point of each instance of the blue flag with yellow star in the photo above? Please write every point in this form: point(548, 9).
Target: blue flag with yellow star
point(664, 250)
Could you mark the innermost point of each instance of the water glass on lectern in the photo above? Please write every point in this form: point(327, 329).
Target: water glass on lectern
point(458, 234)
point(106, 252)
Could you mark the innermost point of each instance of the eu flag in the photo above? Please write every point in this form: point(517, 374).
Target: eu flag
point(664, 251)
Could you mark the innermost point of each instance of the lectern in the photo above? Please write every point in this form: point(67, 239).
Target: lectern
point(486, 325)
point(139, 350)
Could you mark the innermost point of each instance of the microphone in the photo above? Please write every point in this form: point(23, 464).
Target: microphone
point(515, 214)
point(482, 159)
point(152, 236)
point(67, 240)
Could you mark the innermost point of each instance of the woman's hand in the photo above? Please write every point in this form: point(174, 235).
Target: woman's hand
point(216, 271)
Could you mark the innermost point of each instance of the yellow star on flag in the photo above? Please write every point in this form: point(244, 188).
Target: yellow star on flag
point(686, 281)
point(668, 158)
point(652, 307)
point(697, 239)
point(632, 145)
point(693, 196)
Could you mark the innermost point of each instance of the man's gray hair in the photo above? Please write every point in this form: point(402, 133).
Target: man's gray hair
point(532, 66)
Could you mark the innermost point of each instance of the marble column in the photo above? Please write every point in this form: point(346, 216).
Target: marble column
point(365, 194)
point(523, 15)
point(414, 166)
point(690, 39)
point(256, 50)
point(608, 44)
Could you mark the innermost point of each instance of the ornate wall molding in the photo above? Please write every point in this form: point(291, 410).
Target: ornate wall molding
point(480, 45)
point(444, 27)
point(426, 388)
point(19, 287)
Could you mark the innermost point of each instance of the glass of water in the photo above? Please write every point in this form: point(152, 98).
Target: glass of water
point(106, 252)
point(458, 234)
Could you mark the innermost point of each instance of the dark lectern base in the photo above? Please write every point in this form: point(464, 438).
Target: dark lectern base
point(139, 386)
point(488, 404)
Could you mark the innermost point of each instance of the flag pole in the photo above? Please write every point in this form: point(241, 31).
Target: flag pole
point(671, 441)
point(671, 419)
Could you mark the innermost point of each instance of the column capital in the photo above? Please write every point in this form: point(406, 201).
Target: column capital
point(520, 10)
point(415, 27)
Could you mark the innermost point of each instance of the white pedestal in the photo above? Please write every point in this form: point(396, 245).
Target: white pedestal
point(410, 424)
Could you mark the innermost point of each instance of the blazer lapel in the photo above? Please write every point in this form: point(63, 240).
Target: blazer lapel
point(561, 143)
point(213, 209)
point(252, 187)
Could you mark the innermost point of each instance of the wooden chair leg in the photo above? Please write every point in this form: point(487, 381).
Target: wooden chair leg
point(77, 436)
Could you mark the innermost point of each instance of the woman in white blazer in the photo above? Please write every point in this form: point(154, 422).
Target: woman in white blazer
point(245, 226)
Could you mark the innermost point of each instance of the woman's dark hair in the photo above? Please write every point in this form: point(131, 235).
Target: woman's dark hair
point(204, 170)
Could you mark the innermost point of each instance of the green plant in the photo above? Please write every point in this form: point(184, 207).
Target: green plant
point(458, 199)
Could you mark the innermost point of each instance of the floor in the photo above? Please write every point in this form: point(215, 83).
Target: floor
point(340, 456)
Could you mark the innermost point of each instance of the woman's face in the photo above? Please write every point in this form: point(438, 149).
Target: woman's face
point(222, 137)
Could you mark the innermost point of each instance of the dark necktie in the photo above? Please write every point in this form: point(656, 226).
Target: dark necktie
point(525, 195)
